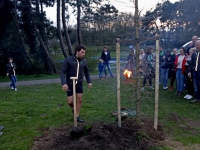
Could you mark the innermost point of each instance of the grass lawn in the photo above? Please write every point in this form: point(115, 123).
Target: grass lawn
point(32, 108)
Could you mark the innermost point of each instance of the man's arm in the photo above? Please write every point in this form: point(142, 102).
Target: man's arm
point(190, 66)
point(87, 74)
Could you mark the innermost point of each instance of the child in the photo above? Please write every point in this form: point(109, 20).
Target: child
point(101, 68)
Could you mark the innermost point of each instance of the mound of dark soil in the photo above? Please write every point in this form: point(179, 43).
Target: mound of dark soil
point(103, 137)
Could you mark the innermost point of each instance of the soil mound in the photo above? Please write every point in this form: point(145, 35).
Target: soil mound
point(99, 136)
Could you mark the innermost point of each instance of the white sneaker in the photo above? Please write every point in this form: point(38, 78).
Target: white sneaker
point(151, 87)
point(142, 89)
point(164, 88)
point(15, 89)
point(186, 96)
point(11, 87)
point(189, 97)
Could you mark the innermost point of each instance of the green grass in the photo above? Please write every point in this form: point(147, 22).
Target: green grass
point(25, 112)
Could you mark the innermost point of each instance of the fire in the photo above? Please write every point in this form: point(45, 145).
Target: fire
point(127, 73)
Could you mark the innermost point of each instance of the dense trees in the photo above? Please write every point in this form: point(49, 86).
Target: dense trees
point(25, 32)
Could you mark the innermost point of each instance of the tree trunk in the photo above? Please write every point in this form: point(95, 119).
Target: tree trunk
point(138, 98)
point(20, 37)
point(69, 45)
point(41, 41)
point(59, 30)
point(79, 22)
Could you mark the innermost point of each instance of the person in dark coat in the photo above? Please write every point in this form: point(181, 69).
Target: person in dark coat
point(10, 72)
point(106, 58)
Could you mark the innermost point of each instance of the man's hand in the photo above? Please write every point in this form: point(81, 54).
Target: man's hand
point(89, 85)
point(6, 74)
point(189, 75)
point(65, 87)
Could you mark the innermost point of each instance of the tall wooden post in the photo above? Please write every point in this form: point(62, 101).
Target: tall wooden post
point(118, 82)
point(156, 84)
point(138, 98)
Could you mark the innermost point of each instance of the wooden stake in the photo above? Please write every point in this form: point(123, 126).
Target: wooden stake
point(156, 85)
point(74, 99)
point(118, 82)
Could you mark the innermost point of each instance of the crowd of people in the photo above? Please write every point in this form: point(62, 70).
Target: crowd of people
point(182, 66)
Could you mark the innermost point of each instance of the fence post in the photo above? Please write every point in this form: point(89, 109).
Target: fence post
point(118, 81)
point(156, 84)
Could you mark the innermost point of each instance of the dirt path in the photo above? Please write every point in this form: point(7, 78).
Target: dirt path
point(43, 81)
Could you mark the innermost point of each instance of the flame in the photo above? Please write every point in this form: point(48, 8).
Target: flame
point(127, 73)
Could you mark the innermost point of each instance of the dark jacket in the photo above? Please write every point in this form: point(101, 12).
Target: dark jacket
point(105, 57)
point(69, 68)
point(168, 62)
point(161, 60)
point(193, 62)
point(100, 67)
point(10, 69)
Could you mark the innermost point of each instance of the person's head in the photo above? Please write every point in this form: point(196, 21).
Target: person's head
point(141, 51)
point(194, 39)
point(168, 52)
point(197, 45)
point(182, 50)
point(10, 59)
point(175, 51)
point(80, 51)
point(101, 60)
point(105, 49)
point(149, 50)
point(191, 51)
point(161, 48)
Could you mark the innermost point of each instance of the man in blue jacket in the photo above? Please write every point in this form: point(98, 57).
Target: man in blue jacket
point(106, 58)
point(75, 66)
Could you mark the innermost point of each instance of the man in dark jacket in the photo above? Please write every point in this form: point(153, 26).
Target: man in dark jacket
point(167, 65)
point(191, 45)
point(106, 58)
point(195, 69)
point(75, 66)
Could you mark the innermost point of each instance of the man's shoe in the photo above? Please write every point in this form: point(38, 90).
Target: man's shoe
point(1, 127)
point(15, 89)
point(79, 120)
point(193, 101)
point(189, 97)
point(142, 89)
point(151, 87)
point(1, 133)
point(11, 87)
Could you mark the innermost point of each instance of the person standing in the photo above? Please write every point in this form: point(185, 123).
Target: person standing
point(195, 69)
point(75, 66)
point(100, 67)
point(167, 65)
point(106, 58)
point(161, 54)
point(190, 90)
point(180, 70)
point(10, 72)
point(148, 67)
point(192, 44)
point(172, 73)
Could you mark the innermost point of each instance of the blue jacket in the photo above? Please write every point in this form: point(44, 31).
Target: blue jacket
point(101, 67)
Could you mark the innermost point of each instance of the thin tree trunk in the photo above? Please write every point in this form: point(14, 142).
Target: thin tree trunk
point(20, 37)
point(41, 41)
point(138, 98)
point(79, 23)
point(59, 30)
point(69, 45)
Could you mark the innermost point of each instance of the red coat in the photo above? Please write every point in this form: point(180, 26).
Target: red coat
point(184, 68)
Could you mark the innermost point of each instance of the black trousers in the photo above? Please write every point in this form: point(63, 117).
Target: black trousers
point(190, 86)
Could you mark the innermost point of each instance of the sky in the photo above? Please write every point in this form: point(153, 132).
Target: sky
point(121, 5)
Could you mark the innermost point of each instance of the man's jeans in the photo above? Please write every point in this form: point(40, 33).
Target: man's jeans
point(160, 74)
point(14, 80)
point(179, 80)
point(196, 80)
point(164, 73)
point(106, 63)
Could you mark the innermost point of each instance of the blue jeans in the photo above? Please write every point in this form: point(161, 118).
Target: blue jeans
point(196, 80)
point(160, 74)
point(100, 74)
point(179, 80)
point(14, 80)
point(164, 73)
point(106, 63)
